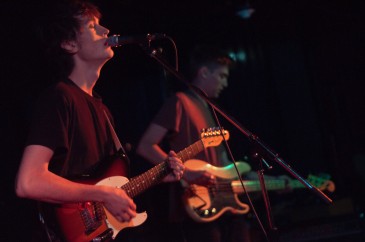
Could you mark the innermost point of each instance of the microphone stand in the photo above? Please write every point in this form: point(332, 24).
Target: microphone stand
point(262, 150)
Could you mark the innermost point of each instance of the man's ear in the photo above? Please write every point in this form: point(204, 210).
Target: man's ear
point(203, 72)
point(70, 46)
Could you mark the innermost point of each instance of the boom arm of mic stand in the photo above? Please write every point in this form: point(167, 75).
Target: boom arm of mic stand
point(268, 152)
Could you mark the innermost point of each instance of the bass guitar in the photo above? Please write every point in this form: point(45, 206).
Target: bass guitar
point(90, 221)
point(206, 204)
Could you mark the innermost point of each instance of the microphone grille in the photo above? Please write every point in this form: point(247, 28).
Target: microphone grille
point(112, 40)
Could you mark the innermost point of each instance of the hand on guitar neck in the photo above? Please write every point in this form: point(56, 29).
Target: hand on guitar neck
point(201, 178)
point(201, 173)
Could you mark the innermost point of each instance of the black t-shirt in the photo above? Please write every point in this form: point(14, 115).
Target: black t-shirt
point(72, 124)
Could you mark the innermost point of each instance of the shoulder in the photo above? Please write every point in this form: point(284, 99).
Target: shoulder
point(182, 97)
point(175, 100)
point(66, 89)
point(57, 89)
point(59, 94)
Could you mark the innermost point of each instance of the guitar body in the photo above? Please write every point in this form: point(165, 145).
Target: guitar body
point(73, 225)
point(88, 221)
point(205, 204)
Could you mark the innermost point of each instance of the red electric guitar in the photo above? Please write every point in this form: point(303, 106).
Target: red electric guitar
point(90, 221)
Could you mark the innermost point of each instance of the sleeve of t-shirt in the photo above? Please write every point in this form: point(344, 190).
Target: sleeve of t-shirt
point(169, 116)
point(50, 121)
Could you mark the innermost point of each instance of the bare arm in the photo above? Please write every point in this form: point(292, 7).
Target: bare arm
point(149, 148)
point(35, 181)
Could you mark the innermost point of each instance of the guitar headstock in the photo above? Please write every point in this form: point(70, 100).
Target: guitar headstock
point(322, 183)
point(213, 136)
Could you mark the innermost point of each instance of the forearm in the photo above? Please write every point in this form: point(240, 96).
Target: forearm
point(152, 152)
point(49, 187)
point(35, 181)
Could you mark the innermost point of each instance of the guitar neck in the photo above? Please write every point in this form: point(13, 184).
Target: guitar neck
point(271, 184)
point(155, 175)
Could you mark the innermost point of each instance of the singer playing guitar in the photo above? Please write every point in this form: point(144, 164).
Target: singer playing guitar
point(70, 133)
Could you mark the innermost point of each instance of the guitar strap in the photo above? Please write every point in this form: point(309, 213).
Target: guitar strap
point(118, 145)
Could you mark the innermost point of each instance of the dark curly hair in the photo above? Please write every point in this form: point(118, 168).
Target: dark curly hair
point(60, 22)
point(210, 56)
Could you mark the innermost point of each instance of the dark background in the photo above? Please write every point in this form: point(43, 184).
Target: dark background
point(299, 88)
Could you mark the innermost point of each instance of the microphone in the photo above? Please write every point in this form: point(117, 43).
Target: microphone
point(116, 40)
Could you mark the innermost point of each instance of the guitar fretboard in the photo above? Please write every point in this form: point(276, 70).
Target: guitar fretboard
point(271, 184)
point(155, 175)
point(252, 186)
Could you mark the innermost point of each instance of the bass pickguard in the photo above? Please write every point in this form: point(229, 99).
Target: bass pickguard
point(207, 204)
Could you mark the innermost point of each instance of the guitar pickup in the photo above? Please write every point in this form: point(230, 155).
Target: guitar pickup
point(206, 212)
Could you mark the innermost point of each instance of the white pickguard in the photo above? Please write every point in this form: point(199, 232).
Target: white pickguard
point(112, 222)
